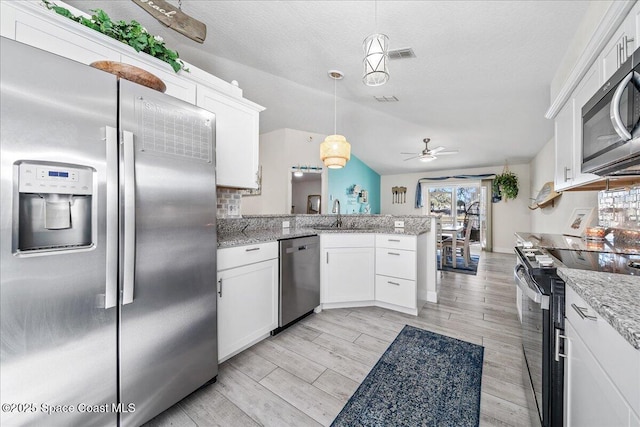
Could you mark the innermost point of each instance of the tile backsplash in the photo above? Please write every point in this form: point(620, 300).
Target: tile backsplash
point(229, 202)
point(619, 208)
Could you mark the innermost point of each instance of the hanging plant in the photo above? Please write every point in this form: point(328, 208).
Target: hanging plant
point(131, 33)
point(506, 185)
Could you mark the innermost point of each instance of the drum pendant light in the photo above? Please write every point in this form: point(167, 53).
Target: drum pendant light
point(335, 151)
point(376, 54)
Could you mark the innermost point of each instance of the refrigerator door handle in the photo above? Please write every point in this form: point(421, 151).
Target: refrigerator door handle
point(129, 248)
point(111, 282)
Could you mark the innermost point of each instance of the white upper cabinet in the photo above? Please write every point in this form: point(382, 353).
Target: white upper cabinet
point(237, 119)
point(568, 121)
point(585, 90)
point(568, 134)
point(177, 86)
point(564, 146)
point(237, 138)
point(622, 44)
point(57, 35)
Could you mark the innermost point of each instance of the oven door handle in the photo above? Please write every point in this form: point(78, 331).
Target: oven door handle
point(531, 291)
point(614, 112)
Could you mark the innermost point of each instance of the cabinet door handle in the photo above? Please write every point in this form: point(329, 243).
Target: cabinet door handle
point(393, 253)
point(558, 355)
point(566, 173)
point(627, 40)
point(582, 311)
point(327, 257)
point(620, 49)
point(252, 249)
point(394, 240)
point(393, 283)
point(220, 287)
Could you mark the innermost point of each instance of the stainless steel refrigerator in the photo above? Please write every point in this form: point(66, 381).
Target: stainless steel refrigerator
point(108, 245)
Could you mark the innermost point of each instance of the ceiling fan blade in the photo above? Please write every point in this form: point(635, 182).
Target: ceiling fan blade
point(436, 150)
point(411, 158)
point(440, 153)
point(414, 153)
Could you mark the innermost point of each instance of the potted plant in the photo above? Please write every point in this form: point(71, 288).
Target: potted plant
point(506, 185)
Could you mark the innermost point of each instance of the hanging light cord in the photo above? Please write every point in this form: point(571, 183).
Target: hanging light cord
point(335, 106)
point(375, 14)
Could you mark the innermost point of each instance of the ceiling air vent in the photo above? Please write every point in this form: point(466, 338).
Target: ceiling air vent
point(386, 98)
point(403, 53)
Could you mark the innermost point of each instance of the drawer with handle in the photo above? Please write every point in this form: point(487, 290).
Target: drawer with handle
point(396, 291)
point(248, 254)
point(396, 241)
point(396, 263)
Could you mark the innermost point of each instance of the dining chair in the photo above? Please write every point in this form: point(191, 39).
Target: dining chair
point(439, 240)
point(462, 244)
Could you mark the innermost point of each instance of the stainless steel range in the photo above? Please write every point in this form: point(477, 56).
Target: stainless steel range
point(541, 293)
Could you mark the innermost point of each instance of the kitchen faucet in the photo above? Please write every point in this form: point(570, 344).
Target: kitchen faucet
point(336, 209)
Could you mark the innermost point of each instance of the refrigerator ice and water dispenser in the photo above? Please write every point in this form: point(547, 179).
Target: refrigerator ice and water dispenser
point(55, 206)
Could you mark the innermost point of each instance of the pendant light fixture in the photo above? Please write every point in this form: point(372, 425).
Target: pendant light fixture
point(376, 55)
point(335, 151)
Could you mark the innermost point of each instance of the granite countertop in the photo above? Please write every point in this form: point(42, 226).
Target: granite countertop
point(239, 238)
point(615, 297)
point(560, 241)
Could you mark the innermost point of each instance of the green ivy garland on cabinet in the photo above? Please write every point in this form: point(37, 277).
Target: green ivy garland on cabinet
point(131, 33)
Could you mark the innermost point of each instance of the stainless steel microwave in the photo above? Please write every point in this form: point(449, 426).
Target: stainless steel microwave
point(611, 124)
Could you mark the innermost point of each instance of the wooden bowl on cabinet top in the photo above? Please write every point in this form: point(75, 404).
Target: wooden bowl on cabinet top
point(131, 73)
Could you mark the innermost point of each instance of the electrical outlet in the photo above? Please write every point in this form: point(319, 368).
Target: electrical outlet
point(233, 210)
point(285, 224)
point(398, 224)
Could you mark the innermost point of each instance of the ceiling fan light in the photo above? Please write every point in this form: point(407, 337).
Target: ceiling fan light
point(376, 48)
point(427, 158)
point(335, 151)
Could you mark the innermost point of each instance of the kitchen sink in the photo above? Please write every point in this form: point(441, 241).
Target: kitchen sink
point(343, 229)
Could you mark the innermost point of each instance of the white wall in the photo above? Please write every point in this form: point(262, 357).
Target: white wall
point(279, 151)
point(554, 219)
point(508, 217)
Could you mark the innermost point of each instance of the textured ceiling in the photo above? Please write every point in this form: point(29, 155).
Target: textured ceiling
point(479, 84)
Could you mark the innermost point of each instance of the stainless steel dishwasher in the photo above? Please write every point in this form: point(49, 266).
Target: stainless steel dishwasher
point(299, 279)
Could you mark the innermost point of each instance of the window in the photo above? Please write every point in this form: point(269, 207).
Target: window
point(451, 201)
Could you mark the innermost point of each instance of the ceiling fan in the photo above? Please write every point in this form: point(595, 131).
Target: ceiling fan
point(427, 155)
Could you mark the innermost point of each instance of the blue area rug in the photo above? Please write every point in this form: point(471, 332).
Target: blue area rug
point(460, 267)
point(423, 379)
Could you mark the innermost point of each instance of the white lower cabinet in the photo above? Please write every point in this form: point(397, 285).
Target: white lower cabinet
point(396, 291)
point(247, 298)
point(385, 270)
point(602, 370)
point(347, 268)
point(396, 271)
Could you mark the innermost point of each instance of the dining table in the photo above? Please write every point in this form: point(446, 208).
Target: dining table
point(452, 230)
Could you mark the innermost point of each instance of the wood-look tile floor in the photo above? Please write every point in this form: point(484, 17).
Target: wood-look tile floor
point(304, 375)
